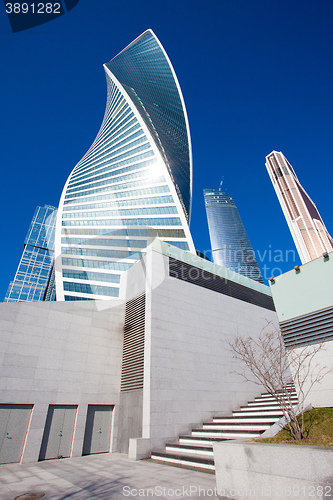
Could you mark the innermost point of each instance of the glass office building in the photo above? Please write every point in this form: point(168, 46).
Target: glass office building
point(231, 247)
point(308, 230)
point(34, 278)
point(134, 183)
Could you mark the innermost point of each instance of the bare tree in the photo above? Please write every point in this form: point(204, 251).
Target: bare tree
point(277, 369)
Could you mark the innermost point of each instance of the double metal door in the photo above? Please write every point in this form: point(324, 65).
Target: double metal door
point(98, 429)
point(58, 432)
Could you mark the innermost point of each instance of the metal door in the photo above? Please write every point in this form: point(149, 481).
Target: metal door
point(58, 432)
point(98, 429)
point(14, 421)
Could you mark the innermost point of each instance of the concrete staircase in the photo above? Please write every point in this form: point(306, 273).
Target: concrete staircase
point(196, 449)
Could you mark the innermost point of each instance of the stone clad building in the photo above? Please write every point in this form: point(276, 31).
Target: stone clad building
point(87, 376)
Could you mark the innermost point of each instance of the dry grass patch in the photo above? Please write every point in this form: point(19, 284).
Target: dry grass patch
point(318, 430)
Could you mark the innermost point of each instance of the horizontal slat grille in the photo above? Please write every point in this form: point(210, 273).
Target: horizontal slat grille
point(200, 277)
point(133, 346)
point(308, 329)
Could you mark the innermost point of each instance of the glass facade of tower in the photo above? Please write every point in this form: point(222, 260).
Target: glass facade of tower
point(133, 184)
point(152, 86)
point(231, 247)
point(33, 279)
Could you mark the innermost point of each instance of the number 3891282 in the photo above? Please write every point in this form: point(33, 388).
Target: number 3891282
point(33, 8)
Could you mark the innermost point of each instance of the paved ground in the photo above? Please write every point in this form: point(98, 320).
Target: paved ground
point(105, 477)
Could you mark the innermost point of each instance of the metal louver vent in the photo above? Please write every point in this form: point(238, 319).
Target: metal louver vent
point(308, 329)
point(200, 277)
point(133, 347)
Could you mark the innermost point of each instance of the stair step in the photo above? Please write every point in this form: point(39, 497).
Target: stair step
point(200, 441)
point(282, 394)
point(266, 404)
point(263, 413)
point(192, 449)
point(225, 434)
point(190, 460)
point(272, 400)
point(235, 427)
point(260, 408)
point(256, 409)
point(245, 420)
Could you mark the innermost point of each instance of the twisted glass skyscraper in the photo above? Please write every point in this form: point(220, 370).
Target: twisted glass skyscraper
point(231, 247)
point(135, 181)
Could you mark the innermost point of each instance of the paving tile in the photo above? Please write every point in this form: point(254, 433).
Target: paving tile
point(27, 483)
point(22, 473)
point(46, 475)
point(9, 478)
point(102, 477)
point(6, 494)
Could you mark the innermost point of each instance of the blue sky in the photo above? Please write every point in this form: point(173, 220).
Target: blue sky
point(256, 76)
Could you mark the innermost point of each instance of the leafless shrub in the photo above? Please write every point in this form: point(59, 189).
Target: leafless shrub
point(279, 370)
